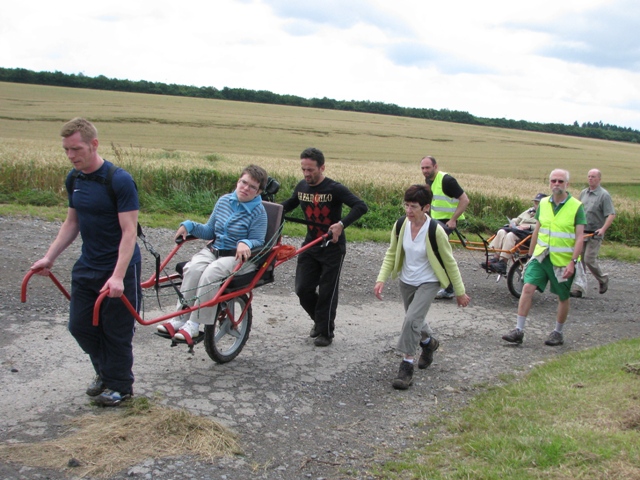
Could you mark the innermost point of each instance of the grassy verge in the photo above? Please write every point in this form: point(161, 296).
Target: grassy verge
point(575, 417)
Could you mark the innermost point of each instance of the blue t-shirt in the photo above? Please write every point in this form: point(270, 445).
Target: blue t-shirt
point(98, 215)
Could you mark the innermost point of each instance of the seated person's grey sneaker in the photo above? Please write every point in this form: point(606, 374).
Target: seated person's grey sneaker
point(405, 376)
point(555, 339)
point(96, 387)
point(514, 336)
point(426, 357)
point(111, 398)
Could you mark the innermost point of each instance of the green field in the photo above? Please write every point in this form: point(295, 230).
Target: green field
point(211, 126)
point(173, 146)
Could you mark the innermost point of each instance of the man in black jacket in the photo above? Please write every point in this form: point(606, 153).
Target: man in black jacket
point(318, 269)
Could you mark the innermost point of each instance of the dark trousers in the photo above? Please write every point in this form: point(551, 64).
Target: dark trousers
point(109, 345)
point(318, 284)
point(449, 288)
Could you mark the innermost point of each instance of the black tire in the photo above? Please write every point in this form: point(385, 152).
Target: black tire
point(222, 342)
point(515, 277)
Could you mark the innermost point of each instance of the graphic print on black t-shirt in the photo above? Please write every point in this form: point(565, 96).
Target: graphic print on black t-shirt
point(317, 210)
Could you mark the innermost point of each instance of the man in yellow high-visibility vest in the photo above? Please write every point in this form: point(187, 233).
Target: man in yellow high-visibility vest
point(556, 244)
point(448, 205)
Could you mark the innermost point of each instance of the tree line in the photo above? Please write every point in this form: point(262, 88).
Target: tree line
point(589, 129)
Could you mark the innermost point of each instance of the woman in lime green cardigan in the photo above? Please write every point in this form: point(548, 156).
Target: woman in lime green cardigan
point(420, 256)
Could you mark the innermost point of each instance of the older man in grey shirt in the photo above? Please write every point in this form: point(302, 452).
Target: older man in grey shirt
point(600, 215)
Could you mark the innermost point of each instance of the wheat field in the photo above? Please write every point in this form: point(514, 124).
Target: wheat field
point(153, 131)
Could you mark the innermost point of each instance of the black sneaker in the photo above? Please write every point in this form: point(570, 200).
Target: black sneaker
point(426, 357)
point(314, 332)
point(405, 376)
point(322, 341)
point(492, 260)
point(111, 398)
point(514, 336)
point(499, 267)
point(555, 339)
point(96, 387)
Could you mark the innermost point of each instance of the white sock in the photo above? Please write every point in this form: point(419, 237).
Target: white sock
point(520, 322)
point(426, 342)
point(559, 327)
point(408, 360)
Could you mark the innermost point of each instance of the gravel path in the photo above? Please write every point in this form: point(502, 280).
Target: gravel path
point(300, 411)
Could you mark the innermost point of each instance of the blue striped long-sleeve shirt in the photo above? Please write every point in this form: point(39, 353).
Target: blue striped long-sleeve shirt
point(231, 222)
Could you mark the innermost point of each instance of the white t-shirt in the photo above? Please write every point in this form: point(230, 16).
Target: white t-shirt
point(416, 268)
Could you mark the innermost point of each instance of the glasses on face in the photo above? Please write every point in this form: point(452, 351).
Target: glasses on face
point(244, 183)
point(555, 180)
point(411, 206)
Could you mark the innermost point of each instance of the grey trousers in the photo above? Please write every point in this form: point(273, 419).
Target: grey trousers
point(417, 301)
point(590, 257)
point(201, 281)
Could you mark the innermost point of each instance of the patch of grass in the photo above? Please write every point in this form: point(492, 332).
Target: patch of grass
point(576, 416)
point(107, 441)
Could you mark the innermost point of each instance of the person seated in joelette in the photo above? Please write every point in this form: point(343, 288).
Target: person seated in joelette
point(507, 237)
point(237, 224)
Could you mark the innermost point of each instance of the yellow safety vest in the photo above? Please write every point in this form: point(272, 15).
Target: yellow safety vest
point(442, 207)
point(557, 231)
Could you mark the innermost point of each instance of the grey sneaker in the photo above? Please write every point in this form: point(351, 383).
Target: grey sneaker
point(604, 287)
point(555, 339)
point(111, 398)
point(514, 336)
point(426, 357)
point(443, 294)
point(405, 376)
point(96, 387)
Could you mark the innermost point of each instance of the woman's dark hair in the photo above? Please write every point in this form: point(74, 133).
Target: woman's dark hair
point(421, 194)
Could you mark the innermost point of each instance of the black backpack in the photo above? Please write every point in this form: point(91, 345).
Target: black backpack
point(433, 225)
point(71, 183)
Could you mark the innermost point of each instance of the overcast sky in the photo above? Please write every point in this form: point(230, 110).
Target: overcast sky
point(543, 61)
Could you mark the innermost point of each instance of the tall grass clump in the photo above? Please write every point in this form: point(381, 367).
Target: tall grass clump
point(189, 183)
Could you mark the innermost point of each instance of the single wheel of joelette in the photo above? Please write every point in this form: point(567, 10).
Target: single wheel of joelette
point(515, 277)
point(225, 339)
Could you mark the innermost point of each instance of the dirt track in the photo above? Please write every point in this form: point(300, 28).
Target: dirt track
point(300, 411)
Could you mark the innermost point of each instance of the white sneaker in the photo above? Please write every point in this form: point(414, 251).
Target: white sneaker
point(176, 323)
point(191, 328)
point(442, 293)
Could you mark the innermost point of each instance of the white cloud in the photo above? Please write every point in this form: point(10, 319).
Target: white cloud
point(545, 61)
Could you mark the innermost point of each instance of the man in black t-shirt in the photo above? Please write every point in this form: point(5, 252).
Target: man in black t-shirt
point(318, 269)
